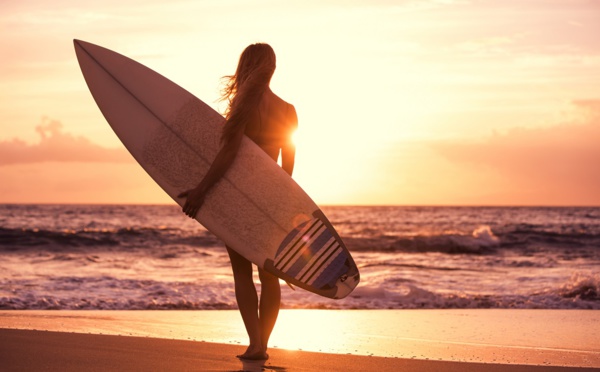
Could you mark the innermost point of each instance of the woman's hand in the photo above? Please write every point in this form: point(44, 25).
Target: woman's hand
point(222, 162)
point(195, 199)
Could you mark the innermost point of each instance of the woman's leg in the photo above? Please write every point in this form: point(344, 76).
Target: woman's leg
point(247, 299)
point(270, 299)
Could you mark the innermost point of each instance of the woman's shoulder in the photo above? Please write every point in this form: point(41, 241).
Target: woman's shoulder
point(282, 108)
point(278, 101)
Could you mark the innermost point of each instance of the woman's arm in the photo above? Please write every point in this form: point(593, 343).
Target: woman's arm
point(218, 168)
point(288, 158)
point(288, 150)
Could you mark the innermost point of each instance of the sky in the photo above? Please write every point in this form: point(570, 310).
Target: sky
point(404, 102)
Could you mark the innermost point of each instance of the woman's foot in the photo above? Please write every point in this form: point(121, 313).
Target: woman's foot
point(261, 355)
point(254, 353)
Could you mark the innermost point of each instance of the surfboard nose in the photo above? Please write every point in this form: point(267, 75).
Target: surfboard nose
point(80, 43)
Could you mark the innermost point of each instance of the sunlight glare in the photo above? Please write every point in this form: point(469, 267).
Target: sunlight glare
point(297, 328)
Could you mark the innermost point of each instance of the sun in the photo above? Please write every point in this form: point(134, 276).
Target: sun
point(294, 138)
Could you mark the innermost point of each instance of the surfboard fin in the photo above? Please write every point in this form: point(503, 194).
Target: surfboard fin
point(290, 285)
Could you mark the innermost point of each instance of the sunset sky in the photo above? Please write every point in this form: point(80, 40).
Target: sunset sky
point(408, 102)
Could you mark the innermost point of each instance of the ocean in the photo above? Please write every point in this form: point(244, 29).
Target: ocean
point(153, 257)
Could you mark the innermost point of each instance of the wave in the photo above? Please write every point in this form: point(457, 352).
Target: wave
point(412, 266)
point(35, 237)
point(482, 240)
point(110, 293)
point(580, 292)
point(18, 239)
point(526, 235)
point(581, 287)
point(53, 303)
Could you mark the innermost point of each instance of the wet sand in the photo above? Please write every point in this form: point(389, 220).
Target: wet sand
point(304, 340)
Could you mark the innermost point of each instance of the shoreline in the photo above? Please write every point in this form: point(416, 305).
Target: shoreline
point(60, 351)
point(465, 337)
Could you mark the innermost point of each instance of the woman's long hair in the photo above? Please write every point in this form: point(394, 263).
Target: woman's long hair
point(244, 89)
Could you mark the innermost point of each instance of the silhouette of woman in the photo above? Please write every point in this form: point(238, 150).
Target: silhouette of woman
point(255, 111)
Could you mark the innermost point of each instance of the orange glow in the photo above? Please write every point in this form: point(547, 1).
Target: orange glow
point(294, 139)
point(396, 102)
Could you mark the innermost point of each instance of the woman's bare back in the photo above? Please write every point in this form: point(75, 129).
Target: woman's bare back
point(273, 125)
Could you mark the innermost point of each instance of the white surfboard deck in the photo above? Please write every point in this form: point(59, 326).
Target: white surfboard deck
point(256, 209)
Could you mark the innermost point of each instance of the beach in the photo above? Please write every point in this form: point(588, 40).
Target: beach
point(304, 340)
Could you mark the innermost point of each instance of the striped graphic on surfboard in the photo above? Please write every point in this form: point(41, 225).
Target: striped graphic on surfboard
point(308, 252)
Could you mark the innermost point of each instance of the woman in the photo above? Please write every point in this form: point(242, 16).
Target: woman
point(255, 111)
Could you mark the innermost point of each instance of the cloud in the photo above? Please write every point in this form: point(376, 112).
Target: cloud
point(557, 164)
point(57, 146)
point(591, 107)
point(79, 183)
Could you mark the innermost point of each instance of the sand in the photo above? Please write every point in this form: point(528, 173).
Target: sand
point(304, 340)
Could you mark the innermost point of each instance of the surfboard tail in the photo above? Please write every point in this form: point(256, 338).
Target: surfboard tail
point(314, 257)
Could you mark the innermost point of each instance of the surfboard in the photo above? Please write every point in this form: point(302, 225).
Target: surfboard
point(257, 208)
